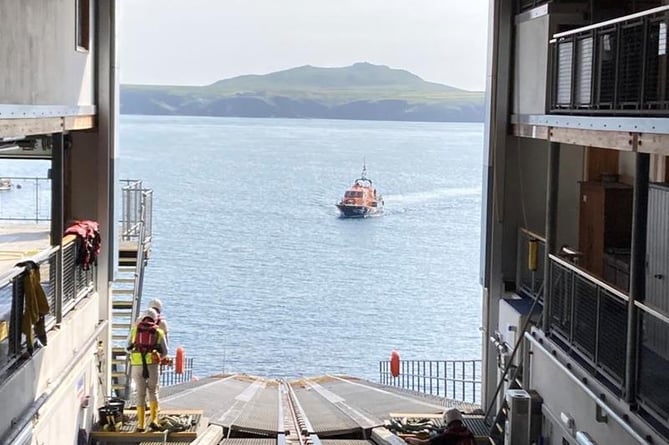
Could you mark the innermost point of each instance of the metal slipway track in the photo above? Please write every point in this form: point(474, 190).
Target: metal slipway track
point(324, 410)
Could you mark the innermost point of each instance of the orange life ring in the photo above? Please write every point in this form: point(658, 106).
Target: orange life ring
point(394, 363)
point(179, 361)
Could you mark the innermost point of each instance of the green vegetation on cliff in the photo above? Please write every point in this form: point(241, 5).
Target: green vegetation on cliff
point(360, 91)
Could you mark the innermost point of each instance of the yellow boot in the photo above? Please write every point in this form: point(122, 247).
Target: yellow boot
point(141, 417)
point(153, 416)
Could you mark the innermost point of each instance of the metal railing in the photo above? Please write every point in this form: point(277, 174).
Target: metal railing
point(590, 317)
point(137, 208)
point(169, 376)
point(76, 284)
point(453, 379)
point(615, 67)
point(26, 199)
point(531, 250)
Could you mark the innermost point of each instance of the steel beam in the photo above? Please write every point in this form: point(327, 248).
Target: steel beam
point(552, 185)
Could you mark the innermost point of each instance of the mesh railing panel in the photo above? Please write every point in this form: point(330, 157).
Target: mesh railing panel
point(69, 268)
point(653, 364)
point(607, 42)
point(630, 63)
point(561, 299)
point(584, 64)
point(564, 74)
point(612, 339)
point(585, 316)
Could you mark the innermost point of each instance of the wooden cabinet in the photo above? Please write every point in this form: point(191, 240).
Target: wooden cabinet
point(605, 222)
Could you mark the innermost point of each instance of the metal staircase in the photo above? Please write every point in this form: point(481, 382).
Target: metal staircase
point(134, 250)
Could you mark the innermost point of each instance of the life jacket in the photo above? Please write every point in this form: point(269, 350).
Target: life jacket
point(146, 337)
point(89, 242)
point(461, 434)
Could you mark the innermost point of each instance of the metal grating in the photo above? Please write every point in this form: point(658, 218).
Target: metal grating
point(585, 316)
point(214, 396)
point(346, 442)
point(260, 414)
point(377, 402)
point(612, 334)
point(248, 442)
point(325, 417)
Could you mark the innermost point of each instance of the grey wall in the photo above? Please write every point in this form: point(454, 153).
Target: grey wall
point(529, 95)
point(525, 193)
point(38, 56)
point(571, 172)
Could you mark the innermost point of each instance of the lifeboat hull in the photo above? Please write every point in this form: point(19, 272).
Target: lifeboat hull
point(358, 211)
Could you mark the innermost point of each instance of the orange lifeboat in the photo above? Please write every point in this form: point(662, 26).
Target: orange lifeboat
point(361, 199)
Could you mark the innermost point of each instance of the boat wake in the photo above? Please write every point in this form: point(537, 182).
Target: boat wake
point(431, 195)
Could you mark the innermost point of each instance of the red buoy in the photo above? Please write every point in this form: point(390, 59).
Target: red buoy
point(394, 363)
point(179, 361)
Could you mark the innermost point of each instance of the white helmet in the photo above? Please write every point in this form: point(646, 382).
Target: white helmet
point(150, 313)
point(156, 304)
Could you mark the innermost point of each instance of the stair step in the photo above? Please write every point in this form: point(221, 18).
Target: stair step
point(123, 291)
point(118, 361)
point(124, 280)
point(121, 325)
point(122, 304)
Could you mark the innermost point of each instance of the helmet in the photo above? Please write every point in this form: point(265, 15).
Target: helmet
point(452, 415)
point(156, 304)
point(150, 313)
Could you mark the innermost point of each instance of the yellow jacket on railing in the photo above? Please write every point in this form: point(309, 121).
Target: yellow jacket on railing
point(36, 305)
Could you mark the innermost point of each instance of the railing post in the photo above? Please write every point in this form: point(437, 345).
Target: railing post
point(553, 175)
point(57, 217)
point(637, 271)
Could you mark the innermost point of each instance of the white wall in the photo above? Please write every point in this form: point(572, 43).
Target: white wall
point(56, 423)
point(562, 395)
point(38, 56)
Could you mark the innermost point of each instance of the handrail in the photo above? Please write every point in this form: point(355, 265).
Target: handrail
point(609, 22)
point(589, 277)
point(533, 234)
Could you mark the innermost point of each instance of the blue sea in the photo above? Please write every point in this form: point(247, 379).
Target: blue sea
point(257, 272)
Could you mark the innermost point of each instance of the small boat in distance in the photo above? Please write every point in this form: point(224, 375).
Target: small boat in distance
point(5, 184)
point(361, 199)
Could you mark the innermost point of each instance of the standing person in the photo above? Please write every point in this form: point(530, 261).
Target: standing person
point(157, 305)
point(146, 345)
point(456, 433)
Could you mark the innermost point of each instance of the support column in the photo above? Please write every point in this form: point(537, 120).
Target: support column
point(637, 272)
point(57, 217)
point(552, 186)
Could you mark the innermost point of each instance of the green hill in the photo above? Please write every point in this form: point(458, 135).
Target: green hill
point(359, 91)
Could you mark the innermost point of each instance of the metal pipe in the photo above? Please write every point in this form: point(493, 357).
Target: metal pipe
point(26, 419)
point(552, 184)
point(595, 398)
point(637, 271)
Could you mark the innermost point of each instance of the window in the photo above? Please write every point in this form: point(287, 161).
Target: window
point(83, 30)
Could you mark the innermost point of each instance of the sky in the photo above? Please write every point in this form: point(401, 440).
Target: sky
point(197, 42)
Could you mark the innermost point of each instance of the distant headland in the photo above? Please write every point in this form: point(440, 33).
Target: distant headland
point(362, 91)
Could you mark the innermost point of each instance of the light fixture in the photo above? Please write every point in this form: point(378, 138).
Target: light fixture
point(583, 438)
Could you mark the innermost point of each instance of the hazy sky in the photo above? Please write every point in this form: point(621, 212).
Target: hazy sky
point(196, 42)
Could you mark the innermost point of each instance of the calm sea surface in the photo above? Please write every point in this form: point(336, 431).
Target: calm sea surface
point(258, 273)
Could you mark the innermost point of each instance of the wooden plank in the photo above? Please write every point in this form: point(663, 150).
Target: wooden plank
point(79, 122)
point(654, 143)
point(617, 140)
point(29, 127)
point(129, 433)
